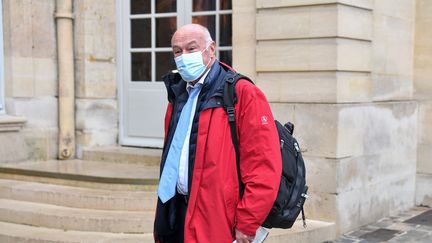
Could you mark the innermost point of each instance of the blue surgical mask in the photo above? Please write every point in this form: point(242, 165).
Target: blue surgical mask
point(190, 65)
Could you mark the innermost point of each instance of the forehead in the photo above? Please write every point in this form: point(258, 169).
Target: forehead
point(183, 37)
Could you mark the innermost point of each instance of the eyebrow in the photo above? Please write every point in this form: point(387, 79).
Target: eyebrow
point(188, 44)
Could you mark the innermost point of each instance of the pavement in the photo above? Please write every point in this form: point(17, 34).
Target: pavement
point(414, 225)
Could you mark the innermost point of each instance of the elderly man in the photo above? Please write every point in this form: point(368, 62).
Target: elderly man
point(199, 198)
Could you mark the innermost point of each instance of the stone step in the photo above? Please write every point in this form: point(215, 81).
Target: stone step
point(65, 218)
point(91, 174)
point(316, 231)
point(117, 154)
point(13, 233)
point(78, 197)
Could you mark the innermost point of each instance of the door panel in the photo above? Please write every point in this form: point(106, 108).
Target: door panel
point(144, 34)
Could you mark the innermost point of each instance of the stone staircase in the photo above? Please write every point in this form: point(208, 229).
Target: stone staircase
point(109, 196)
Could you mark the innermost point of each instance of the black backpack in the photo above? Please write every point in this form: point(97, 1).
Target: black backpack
point(292, 191)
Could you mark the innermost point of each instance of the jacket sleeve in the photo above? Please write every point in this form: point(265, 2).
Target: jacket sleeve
point(260, 158)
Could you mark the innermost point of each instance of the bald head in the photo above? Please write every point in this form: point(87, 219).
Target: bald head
point(194, 29)
point(194, 38)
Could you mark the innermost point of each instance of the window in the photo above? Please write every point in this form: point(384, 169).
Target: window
point(2, 92)
point(152, 23)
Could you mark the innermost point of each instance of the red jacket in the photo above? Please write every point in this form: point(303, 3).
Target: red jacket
point(214, 208)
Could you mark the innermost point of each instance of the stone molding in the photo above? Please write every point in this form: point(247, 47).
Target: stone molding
point(10, 123)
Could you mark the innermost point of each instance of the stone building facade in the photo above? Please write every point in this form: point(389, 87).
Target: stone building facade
point(355, 76)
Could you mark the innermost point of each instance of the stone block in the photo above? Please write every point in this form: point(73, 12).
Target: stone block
point(43, 29)
point(299, 22)
point(425, 122)
point(40, 144)
point(354, 22)
point(296, 55)
point(326, 54)
point(424, 158)
point(97, 79)
point(367, 4)
point(377, 128)
point(372, 202)
point(354, 173)
point(283, 111)
point(21, 33)
point(96, 114)
point(317, 87)
point(322, 120)
point(244, 37)
point(354, 87)
point(403, 9)
point(96, 138)
point(22, 76)
point(346, 130)
point(423, 50)
point(321, 174)
point(45, 77)
point(353, 55)
point(11, 147)
point(321, 206)
point(423, 10)
point(95, 44)
point(41, 113)
point(314, 22)
point(393, 45)
point(423, 190)
point(393, 52)
point(28, 144)
point(392, 87)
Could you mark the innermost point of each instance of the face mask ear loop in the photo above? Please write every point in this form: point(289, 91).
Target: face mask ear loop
point(206, 66)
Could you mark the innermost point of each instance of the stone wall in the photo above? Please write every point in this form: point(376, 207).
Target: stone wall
point(30, 79)
point(423, 93)
point(96, 87)
point(342, 72)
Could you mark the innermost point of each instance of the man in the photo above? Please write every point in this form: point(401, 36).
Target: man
point(199, 198)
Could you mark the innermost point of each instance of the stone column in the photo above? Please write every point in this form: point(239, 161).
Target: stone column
point(96, 92)
point(423, 94)
point(341, 70)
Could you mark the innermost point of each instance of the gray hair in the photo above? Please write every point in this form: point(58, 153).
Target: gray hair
point(208, 37)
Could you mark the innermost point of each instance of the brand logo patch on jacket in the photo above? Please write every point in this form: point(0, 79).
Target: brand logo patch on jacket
point(264, 120)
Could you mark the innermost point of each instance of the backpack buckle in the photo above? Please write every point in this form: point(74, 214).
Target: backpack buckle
point(231, 114)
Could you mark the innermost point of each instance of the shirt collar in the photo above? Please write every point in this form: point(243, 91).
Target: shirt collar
point(189, 85)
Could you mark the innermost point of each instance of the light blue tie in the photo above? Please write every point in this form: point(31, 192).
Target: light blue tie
point(168, 181)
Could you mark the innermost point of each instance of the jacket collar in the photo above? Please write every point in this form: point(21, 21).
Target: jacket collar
point(176, 86)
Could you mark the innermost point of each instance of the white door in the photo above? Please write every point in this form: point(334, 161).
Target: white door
point(144, 33)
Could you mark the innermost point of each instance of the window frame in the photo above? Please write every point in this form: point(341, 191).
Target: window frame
point(2, 84)
point(184, 15)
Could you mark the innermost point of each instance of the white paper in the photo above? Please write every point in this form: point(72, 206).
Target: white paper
point(260, 235)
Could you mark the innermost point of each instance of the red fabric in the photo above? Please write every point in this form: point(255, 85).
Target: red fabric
point(214, 208)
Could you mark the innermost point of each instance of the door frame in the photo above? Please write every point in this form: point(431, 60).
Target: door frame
point(2, 68)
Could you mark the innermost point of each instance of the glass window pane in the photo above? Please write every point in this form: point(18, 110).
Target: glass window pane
point(204, 5)
point(141, 66)
point(166, 6)
point(165, 28)
point(225, 30)
point(164, 64)
point(140, 33)
point(208, 21)
point(226, 57)
point(140, 6)
point(225, 4)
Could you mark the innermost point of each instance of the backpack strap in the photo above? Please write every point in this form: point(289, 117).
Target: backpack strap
point(229, 100)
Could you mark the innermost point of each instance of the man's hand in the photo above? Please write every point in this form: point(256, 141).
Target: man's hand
point(242, 238)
